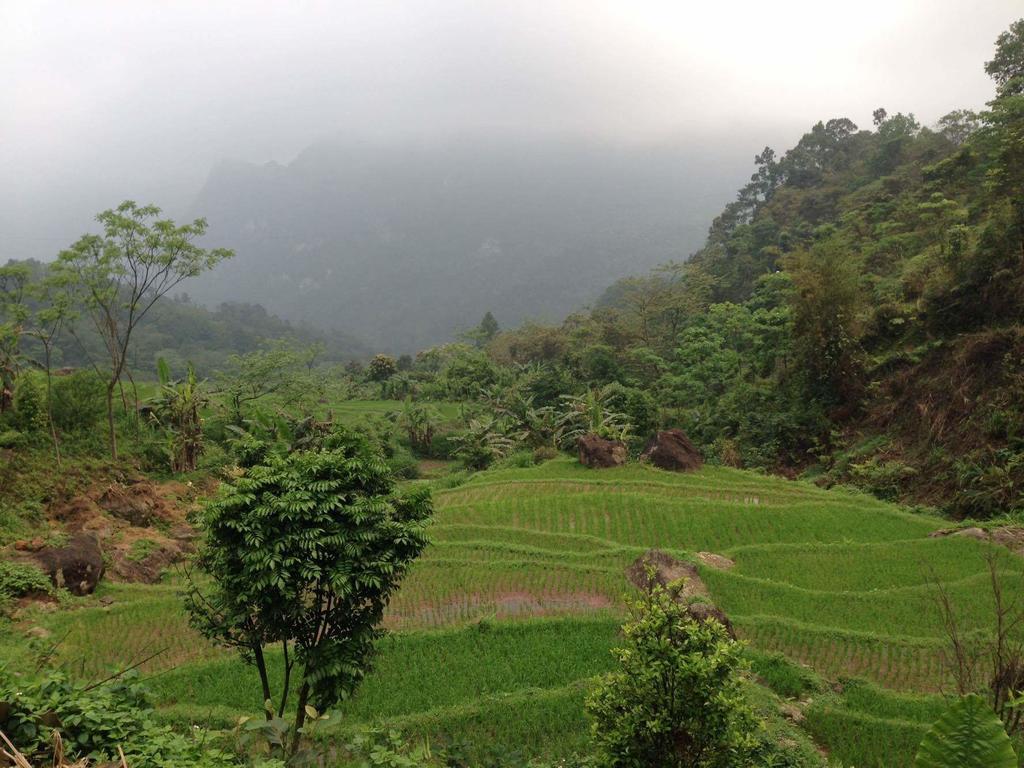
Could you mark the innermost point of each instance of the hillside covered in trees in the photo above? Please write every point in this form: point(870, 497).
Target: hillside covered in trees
point(856, 310)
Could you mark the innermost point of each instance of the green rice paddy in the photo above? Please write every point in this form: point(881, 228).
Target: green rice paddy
point(513, 609)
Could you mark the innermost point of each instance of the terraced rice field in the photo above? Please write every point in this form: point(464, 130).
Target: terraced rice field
point(516, 603)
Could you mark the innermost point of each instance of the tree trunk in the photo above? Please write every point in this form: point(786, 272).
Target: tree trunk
point(300, 718)
point(261, 666)
point(49, 406)
point(111, 432)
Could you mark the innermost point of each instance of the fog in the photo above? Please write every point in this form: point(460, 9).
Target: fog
point(102, 101)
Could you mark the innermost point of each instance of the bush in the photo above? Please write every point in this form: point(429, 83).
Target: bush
point(517, 460)
point(677, 699)
point(29, 405)
point(95, 722)
point(19, 580)
point(881, 477)
point(403, 464)
point(78, 401)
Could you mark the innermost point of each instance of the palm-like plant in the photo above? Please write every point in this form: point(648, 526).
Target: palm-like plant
point(521, 420)
point(419, 421)
point(177, 409)
point(483, 442)
point(590, 413)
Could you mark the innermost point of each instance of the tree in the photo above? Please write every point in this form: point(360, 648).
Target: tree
point(677, 699)
point(382, 368)
point(14, 281)
point(959, 125)
point(118, 276)
point(1007, 66)
point(275, 370)
point(53, 311)
point(304, 551)
point(484, 333)
point(826, 303)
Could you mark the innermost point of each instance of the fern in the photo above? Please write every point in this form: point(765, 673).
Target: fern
point(969, 735)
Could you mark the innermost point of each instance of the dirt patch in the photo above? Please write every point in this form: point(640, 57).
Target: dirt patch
point(719, 562)
point(142, 526)
point(512, 604)
point(1009, 536)
point(142, 555)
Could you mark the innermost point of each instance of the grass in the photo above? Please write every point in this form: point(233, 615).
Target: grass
point(511, 612)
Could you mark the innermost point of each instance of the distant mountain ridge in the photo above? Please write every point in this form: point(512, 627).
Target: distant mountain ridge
point(406, 247)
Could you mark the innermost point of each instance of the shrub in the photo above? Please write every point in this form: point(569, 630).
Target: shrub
point(19, 580)
point(94, 721)
point(29, 405)
point(78, 401)
point(884, 478)
point(677, 699)
point(403, 464)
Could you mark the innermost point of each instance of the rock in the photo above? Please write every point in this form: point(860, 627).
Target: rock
point(598, 453)
point(657, 567)
point(29, 546)
point(702, 612)
point(38, 632)
point(107, 600)
point(972, 533)
point(77, 567)
point(666, 569)
point(791, 712)
point(720, 562)
point(672, 449)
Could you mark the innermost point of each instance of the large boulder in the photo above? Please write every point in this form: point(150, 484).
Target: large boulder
point(657, 568)
point(672, 449)
point(598, 453)
point(77, 567)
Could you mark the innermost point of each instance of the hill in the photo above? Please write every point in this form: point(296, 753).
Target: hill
point(854, 314)
point(407, 246)
point(512, 611)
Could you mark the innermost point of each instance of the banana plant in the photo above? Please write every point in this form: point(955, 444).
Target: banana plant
point(177, 408)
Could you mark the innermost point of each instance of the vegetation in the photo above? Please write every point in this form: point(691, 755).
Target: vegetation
point(853, 320)
point(304, 551)
point(677, 699)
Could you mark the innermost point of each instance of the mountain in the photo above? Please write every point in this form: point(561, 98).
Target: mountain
point(405, 247)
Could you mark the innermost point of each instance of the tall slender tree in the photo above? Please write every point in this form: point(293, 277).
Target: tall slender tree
point(119, 275)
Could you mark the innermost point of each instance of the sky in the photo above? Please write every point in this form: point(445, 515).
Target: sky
point(102, 101)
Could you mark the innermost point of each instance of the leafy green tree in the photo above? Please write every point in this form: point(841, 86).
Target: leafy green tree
point(382, 368)
point(593, 412)
point(1007, 66)
point(53, 309)
point(14, 311)
point(827, 302)
point(482, 443)
point(420, 422)
point(484, 333)
point(677, 699)
point(968, 735)
point(304, 551)
point(275, 371)
point(118, 276)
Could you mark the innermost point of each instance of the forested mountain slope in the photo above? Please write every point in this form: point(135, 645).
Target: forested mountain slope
point(857, 309)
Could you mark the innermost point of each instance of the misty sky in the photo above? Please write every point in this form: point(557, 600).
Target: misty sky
point(100, 101)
